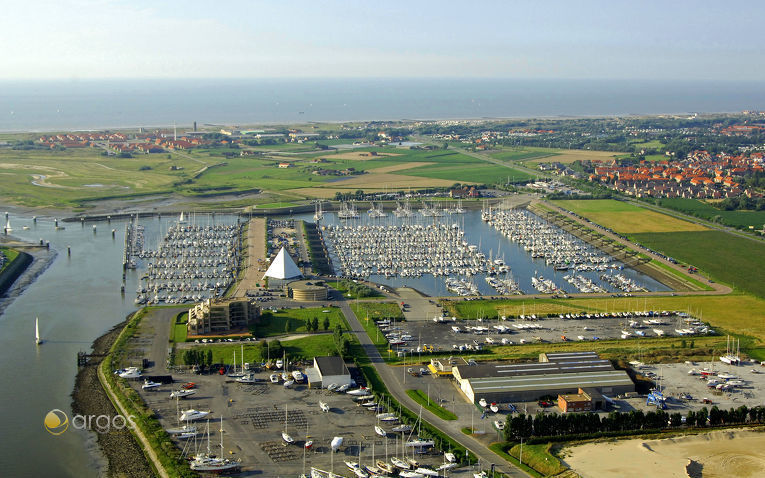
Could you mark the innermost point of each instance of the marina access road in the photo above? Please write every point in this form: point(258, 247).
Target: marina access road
point(390, 377)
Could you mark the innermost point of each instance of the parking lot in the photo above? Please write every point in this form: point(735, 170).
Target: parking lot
point(254, 418)
point(464, 335)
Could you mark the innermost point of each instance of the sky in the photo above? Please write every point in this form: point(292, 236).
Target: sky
point(678, 39)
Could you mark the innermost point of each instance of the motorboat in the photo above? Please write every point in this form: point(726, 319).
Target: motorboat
point(482, 402)
point(130, 373)
point(289, 383)
point(297, 375)
point(182, 393)
point(274, 378)
point(499, 424)
point(149, 385)
point(247, 379)
point(191, 415)
point(331, 387)
point(359, 392)
point(450, 457)
point(342, 388)
point(494, 408)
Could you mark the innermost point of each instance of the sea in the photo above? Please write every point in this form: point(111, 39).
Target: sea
point(79, 104)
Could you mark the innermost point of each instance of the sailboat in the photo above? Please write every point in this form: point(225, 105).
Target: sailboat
point(181, 220)
point(240, 373)
point(729, 357)
point(185, 431)
point(8, 228)
point(324, 407)
point(288, 440)
point(38, 340)
point(206, 462)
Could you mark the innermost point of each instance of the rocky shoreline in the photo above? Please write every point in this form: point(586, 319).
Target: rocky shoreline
point(125, 458)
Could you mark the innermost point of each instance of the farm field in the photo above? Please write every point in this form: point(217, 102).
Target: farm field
point(734, 260)
point(534, 156)
point(706, 211)
point(524, 154)
point(478, 173)
point(626, 218)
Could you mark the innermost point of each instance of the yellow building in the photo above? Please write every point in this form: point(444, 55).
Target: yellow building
point(220, 316)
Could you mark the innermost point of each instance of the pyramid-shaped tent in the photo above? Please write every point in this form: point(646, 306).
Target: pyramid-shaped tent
point(283, 267)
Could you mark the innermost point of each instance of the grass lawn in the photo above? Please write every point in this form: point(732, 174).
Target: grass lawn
point(180, 331)
point(500, 449)
point(376, 311)
point(524, 154)
point(706, 211)
point(684, 277)
point(344, 287)
point(275, 323)
point(420, 397)
point(539, 458)
point(734, 260)
point(10, 255)
point(302, 348)
point(626, 218)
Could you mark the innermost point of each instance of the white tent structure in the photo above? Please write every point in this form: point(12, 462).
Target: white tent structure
point(282, 267)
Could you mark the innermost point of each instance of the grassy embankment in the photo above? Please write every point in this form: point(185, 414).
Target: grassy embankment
point(420, 397)
point(10, 255)
point(143, 416)
point(368, 313)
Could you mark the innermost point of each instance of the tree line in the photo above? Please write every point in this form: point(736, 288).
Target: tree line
point(524, 426)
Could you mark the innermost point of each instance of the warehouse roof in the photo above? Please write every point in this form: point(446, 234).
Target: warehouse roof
point(568, 356)
point(331, 366)
point(531, 368)
point(612, 378)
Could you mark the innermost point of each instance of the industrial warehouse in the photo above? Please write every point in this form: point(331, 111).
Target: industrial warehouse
point(574, 373)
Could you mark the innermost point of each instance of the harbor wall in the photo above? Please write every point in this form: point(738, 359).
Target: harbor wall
point(17, 267)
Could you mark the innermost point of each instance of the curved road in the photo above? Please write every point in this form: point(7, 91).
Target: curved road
point(389, 376)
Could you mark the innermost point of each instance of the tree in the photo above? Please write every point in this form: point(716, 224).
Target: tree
point(209, 357)
point(325, 324)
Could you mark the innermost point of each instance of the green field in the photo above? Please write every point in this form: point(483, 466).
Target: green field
point(524, 154)
point(9, 254)
point(706, 211)
point(302, 348)
point(731, 259)
point(539, 458)
point(428, 402)
point(275, 323)
point(180, 330)
point(626, 218)
point(479, 173)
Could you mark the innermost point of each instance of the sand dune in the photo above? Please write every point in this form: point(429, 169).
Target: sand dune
point(739, 453)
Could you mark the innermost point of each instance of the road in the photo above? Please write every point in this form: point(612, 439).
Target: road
point(389, 375)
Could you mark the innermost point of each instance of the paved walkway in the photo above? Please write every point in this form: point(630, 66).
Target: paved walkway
point(389, 376)
point(256, 252)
